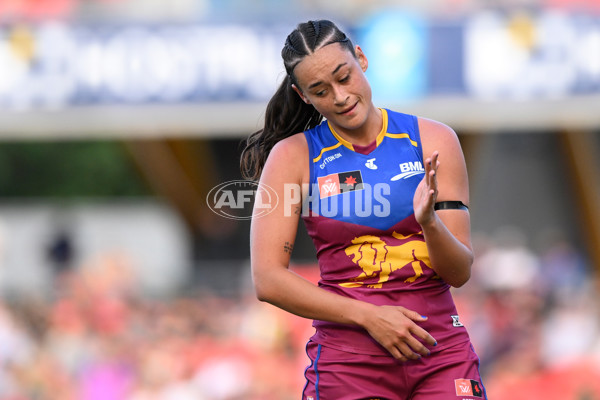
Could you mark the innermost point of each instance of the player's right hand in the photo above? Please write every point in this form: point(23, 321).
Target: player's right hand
point(396, 329)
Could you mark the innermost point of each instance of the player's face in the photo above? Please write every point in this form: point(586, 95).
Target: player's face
point(333, 81)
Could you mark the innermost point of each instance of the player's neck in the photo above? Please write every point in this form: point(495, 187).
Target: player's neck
point(367, 133)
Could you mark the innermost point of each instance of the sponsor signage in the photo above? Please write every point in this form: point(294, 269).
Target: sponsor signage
point(489, 55)
point(54, 64)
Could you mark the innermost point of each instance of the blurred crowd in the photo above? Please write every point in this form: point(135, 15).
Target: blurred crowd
point(532, 314)
point(100, 338)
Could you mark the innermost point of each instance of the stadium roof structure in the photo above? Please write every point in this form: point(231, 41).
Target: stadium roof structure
point(214, 120)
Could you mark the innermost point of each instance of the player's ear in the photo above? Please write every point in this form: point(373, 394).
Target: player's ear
point(362, 58)
point(302, 96)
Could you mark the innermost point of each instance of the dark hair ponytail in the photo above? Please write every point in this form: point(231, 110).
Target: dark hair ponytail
point(286, 113)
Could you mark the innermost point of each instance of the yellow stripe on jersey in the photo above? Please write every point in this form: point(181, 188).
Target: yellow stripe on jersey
point(340, 139)
point(316, 159)
point(382, 134)
point(402, 136)
point(384, 127)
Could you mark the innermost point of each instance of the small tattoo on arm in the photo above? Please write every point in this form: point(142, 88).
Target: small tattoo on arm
point(288, 247)
point(297, 211)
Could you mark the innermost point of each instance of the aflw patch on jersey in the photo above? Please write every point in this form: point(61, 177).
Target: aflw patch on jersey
point(341, 182)
point(468, 387)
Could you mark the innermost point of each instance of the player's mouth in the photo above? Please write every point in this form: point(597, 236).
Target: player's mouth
point(348, 110)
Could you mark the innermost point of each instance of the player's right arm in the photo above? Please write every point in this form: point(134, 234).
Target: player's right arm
point(271, 239)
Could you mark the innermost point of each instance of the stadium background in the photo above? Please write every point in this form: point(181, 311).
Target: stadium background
point(117, 117)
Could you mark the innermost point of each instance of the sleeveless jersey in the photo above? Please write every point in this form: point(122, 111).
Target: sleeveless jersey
point(359, 214)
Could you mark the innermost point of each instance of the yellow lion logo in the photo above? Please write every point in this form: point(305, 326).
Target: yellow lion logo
point(377, 258)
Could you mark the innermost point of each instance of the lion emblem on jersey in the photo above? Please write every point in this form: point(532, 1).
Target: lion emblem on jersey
point(379, 259)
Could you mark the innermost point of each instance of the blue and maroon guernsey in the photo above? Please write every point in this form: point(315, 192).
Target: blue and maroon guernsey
point(369, 244)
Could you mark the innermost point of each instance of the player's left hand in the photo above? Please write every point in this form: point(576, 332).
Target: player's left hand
point(427, 191)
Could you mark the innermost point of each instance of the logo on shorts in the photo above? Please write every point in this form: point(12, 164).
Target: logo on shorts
point(468, 387)
point(455, 321)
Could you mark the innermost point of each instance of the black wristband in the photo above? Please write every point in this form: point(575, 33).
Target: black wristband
point(450, 205)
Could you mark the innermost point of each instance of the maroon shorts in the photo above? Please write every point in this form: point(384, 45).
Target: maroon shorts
point(450, 373)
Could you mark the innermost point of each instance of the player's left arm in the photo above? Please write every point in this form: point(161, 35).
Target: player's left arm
point(447, 232)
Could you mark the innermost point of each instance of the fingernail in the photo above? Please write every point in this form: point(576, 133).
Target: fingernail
point(435, 344)
point(424, 316)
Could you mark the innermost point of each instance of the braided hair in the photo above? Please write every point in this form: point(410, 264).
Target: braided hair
point(286, 114)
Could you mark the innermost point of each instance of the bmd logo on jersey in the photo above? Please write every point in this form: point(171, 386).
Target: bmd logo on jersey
point(409, 169)
point(238, 199)
point(342, 182)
